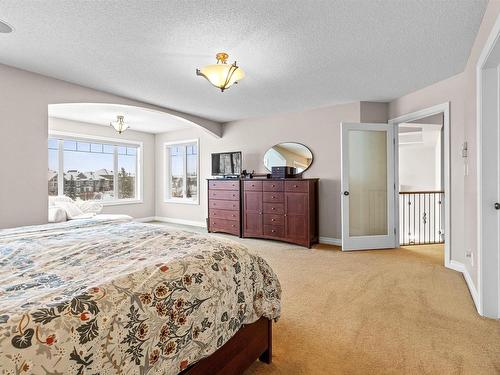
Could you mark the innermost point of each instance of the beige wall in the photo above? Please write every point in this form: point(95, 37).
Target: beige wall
point(374, 112)
point(319, 129)
point(24, 98)
point(449, 90)
point(138, 210)
point(470, 198)
point(460, 91)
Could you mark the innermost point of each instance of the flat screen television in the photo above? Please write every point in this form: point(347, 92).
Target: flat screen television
point(226, 164)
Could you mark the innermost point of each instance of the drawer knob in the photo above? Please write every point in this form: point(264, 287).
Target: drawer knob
point(295, 186)
point(233, 225)
point(273, 231)
point(273, 219)
point(272, 208)
point(273, 197)
point(273, 185)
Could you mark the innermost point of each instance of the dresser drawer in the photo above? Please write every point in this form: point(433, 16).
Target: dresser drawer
point(274, 197)
point(227, 226)
point(224, 214)
point(272, 185)
point(223, 185)
point(224, 205)
point(298, 186)
point(252, 185)
point(274, 208)
point(229, 195)
point(270, 219)
point(274, 230)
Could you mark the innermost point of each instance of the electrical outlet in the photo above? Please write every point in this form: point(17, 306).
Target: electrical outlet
point(469, 254)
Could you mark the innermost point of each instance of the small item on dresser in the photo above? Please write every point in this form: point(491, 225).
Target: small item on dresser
point(283, 172)
point(258, 175)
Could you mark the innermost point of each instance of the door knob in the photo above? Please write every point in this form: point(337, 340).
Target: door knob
point(346, 193)
point(497, 206)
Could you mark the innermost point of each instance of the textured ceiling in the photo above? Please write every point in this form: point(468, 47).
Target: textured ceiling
point(296, 54)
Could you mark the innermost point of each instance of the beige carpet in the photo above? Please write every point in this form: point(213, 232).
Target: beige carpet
point(374, 312)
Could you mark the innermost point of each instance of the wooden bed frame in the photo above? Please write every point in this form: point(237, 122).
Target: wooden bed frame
point(235, 356)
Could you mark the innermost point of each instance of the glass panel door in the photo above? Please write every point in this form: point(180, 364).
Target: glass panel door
point(367, 186)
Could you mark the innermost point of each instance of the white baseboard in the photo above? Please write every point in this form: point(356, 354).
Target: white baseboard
point(457, 266)
point(172, 220)
point(472, 289)
point(330, 241)
point(144, 219)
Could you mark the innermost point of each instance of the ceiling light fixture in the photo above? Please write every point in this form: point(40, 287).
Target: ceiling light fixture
point(119, 125)
point(5, 28)
point(222, 75)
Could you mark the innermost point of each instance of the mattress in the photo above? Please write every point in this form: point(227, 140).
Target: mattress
point(115, 296)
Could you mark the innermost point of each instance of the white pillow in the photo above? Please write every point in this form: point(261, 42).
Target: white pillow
point(72, 210)
point(58, 198)
point(89, 206)
point(56, 215)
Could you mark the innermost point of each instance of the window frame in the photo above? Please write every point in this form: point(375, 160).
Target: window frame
point(116, 142)
point(167, 172)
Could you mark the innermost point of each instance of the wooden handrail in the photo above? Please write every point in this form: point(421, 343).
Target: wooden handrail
point(422, 192)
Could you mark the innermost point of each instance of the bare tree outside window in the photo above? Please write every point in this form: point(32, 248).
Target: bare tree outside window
point(88, 170)
point(183, 171)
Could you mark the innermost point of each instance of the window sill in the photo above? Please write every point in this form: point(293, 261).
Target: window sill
point(181, 201)
point(120, 202)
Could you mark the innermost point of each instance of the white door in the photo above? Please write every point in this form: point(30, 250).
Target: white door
point(367, 186)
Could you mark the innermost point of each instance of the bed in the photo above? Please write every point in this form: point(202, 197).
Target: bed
point(113, 296)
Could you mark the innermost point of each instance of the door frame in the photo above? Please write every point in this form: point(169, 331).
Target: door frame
point(369, 242)
point(488, 121)
point(443, 108)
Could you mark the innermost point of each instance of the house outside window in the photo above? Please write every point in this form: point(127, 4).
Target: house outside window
point(182, 172)
point(94, 169)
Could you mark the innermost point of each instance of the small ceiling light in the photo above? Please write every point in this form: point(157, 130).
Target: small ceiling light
point(222, 75)
point(5, 28)
point(119, 125)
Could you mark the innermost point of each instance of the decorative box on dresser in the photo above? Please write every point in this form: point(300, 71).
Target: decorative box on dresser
point(281, 209)
point(224, 206)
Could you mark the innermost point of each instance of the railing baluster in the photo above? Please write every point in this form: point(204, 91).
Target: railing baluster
point(428, 230)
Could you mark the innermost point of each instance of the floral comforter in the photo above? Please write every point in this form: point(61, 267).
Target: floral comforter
point(120, 297)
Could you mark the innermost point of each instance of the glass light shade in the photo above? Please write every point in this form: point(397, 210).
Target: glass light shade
point(222, 76)
point(119, 125)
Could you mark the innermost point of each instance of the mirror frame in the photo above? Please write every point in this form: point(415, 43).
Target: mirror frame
point(297, 174)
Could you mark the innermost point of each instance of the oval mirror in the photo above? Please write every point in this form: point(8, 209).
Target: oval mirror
point(288, 154)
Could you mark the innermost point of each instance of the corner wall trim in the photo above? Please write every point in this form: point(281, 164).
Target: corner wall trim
point(330, 241)
point(472, 288)
point(172, 220)
point(457, 266)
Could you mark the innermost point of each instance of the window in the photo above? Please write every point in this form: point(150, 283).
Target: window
point(93, 169)
point(181, 160)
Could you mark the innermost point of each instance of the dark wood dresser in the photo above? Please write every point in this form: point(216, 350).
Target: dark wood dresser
point(224, 206)
point(281, 209)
